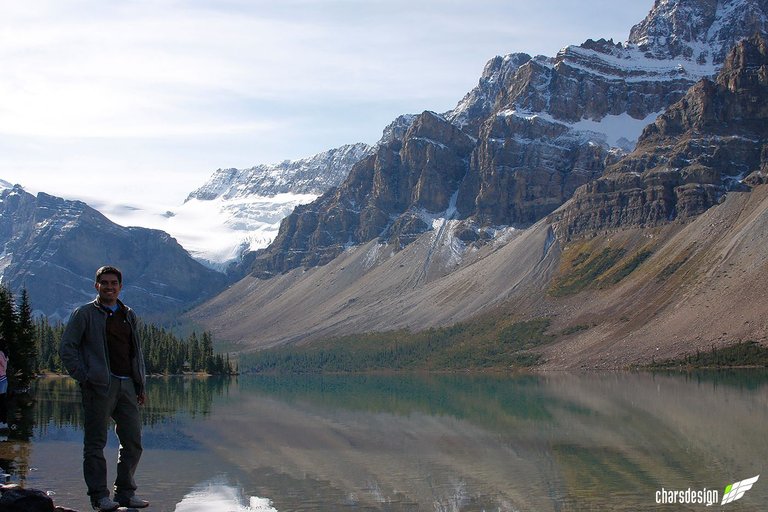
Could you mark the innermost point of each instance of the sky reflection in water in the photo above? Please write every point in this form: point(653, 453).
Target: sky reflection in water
point(218, 496)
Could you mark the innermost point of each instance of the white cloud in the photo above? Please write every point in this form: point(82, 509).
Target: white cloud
point(163, 86)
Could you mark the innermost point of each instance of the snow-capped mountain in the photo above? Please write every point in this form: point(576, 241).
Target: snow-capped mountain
point(662, 256)
point(710, 142)
point(518, 145)
point(566, 115)
point(307, 176)
point(240, 210)
point(696, 31)
point(588, 87)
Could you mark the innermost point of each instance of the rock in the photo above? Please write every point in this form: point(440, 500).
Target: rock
point(14, 498)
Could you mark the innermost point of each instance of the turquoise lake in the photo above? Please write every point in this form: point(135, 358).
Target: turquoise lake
point(534, 442)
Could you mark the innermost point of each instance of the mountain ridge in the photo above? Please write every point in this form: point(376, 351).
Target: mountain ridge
point(519, 144)
point(446, 256)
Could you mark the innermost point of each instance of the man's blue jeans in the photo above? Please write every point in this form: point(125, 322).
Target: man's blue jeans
point(118, 402)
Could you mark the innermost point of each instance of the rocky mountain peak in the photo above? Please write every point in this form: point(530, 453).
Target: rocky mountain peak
point(395, 131)
point(704, 145)
point(486, 97)
point(678, 43)
point(702, 31)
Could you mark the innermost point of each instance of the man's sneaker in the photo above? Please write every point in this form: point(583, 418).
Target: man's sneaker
point(105, 505)
point(132, 502)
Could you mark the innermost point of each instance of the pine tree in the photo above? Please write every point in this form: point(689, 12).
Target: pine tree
point(26, 352)
point(195, 353)
point(8, 325)
point(7, 315)
point(47, 340)
point(209, 362)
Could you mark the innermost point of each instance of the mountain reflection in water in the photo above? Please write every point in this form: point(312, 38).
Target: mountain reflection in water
point(540, 442)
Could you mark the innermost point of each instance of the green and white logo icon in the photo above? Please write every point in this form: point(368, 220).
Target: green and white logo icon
point(737, 489)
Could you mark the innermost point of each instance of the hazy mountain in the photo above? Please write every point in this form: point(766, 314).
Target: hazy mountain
point(52, 247)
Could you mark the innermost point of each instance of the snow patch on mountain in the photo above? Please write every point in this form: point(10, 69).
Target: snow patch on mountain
point(632, 64)
point(621, 131)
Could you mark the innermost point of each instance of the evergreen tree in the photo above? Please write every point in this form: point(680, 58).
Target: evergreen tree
point(194, 353)
point(8, 323)
point(25, 355)
point(208, 360)
point(47, 339)
point(7, 315)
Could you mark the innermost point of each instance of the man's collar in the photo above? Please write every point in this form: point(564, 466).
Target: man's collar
point(101, 306)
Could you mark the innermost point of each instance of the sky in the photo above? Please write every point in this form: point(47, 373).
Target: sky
point(137, 102)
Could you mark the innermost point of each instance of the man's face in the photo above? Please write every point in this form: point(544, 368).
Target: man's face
point(109, 288)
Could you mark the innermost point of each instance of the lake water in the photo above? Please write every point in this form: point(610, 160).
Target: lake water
point(551, 442)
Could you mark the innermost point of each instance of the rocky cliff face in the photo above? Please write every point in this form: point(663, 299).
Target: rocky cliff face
point(383, 196)
point(52, 247)
point(519, 144)
point(704, 145)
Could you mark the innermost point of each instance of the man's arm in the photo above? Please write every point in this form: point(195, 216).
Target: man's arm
point(69, 349)
point(140, 367)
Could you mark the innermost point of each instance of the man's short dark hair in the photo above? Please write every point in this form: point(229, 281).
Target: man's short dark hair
point(107, 269)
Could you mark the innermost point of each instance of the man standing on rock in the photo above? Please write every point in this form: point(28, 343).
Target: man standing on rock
point(100, 349)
